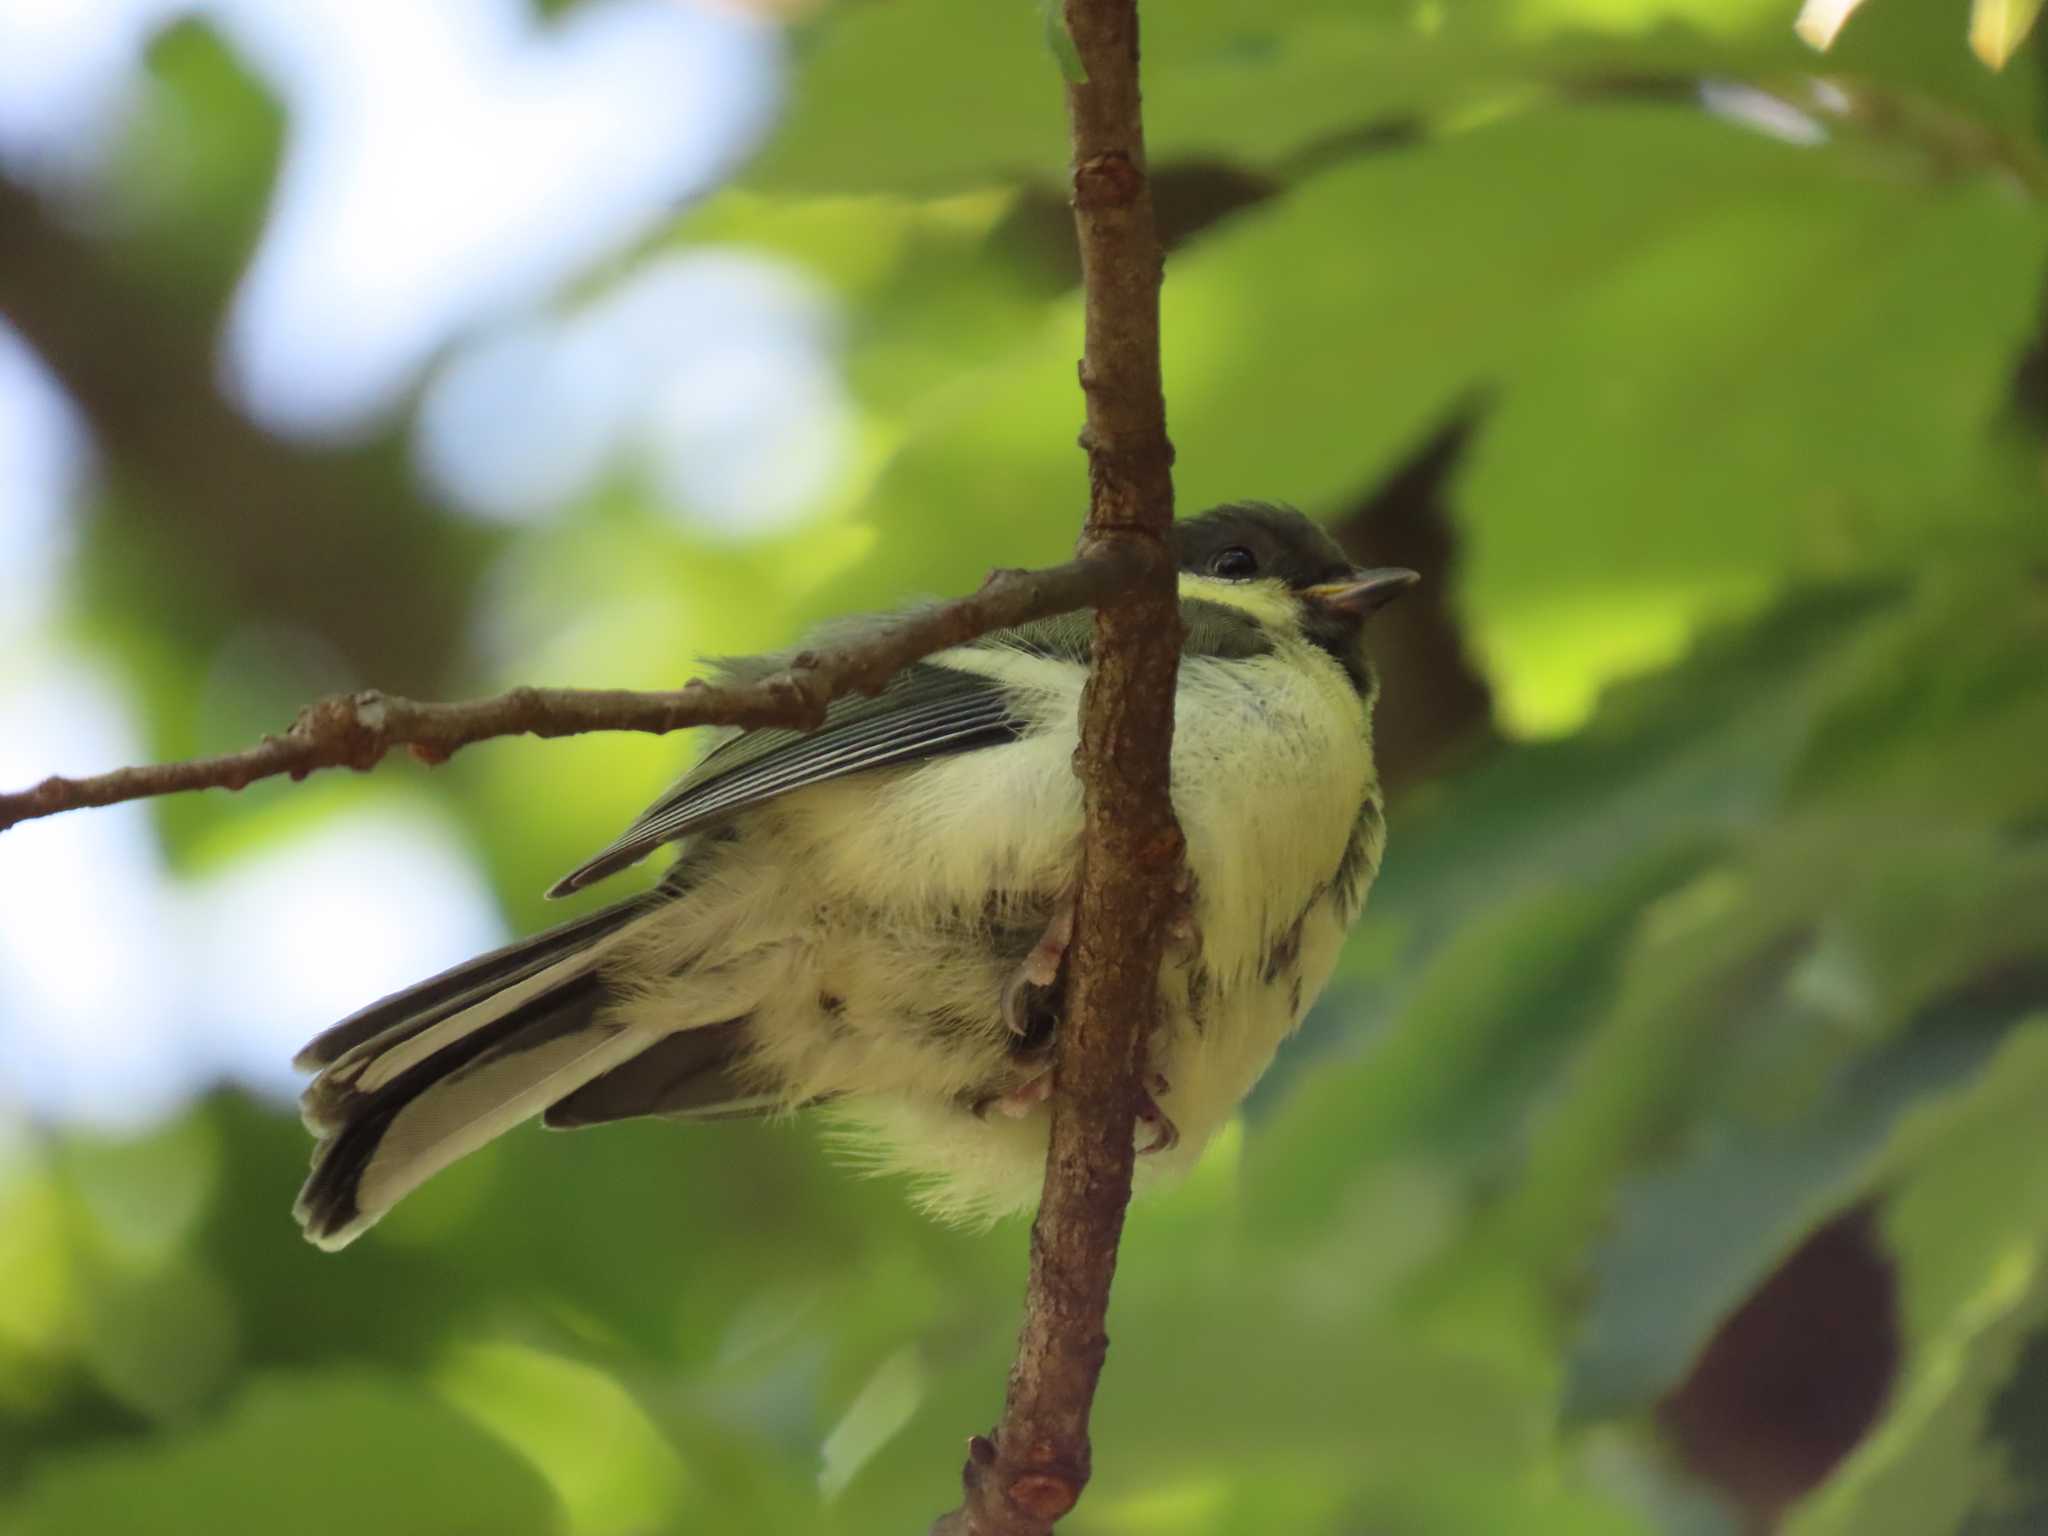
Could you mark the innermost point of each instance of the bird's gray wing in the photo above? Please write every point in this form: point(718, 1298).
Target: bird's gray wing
point(925, 711)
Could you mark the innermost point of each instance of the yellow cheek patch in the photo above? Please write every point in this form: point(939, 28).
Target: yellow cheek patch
point(1270, 603)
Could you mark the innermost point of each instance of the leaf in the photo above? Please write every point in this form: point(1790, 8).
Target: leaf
point(1294, 85)
point(1927, 1468)
point(1794, 332)
point(1690, 1242)
point(1998, 27)
point(334, 1453)
point(1060, 43)
point(1511, 904)
point(608, 1464)
point(2017, 1432)
point(1794, 364)
point(876, 1415)
point(1969, 1227)
point(1820, 20)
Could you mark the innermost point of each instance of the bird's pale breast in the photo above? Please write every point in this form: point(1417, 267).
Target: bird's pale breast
point(879, 997)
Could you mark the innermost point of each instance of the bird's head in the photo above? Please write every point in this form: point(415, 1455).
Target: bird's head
point(1272, 562)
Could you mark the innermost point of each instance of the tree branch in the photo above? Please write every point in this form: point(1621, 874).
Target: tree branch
point(1032, 1470)
point(355, 730)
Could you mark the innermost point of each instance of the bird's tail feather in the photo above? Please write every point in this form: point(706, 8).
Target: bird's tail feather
point(425, 1076)
point(460, 985)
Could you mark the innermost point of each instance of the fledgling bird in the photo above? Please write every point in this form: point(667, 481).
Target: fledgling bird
point(872, 917)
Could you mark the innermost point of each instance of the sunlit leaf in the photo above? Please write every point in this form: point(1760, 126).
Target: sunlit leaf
point(872, 1419)
point(1820, 20)
point(609, 1466)
point(335, 1454)
point(1998, 27)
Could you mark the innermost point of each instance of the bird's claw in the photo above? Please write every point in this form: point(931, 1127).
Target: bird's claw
point(1019, 1101)
point(1038, 970)
point(1028, 1095)
point(1165, 1134)
point(1183, 939)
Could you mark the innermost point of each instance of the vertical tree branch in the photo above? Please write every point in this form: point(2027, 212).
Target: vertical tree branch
point(1021, 1480)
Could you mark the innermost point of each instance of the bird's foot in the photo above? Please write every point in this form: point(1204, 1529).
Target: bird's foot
point(1032, 1092)
point(1019, 1101)
point(1183, 938)
point(1165, 1134)
point(1037, 973)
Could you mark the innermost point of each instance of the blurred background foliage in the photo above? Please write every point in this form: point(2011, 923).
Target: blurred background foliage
point(1668, 1156)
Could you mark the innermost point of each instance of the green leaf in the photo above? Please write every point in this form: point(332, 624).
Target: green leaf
point(1060, 43)
point(1969, 1226)
point(328, 1453)
point(1690, 1242)
point(1793, 329)
point(877, 1414)
point(607, 1462)
point(1287, 86)
point(1784, 366)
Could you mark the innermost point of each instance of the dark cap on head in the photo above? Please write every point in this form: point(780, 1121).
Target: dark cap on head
point(1280, 542)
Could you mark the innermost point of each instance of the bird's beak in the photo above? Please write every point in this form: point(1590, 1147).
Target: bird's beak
point(1364, 591)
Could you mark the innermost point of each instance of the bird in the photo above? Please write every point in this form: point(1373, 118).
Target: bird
point(870, 920)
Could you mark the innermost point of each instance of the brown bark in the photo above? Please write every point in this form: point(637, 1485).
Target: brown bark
point(1030, 1472)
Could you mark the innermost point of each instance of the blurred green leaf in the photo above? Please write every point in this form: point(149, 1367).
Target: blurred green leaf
point(1689, 1243)
point(1298, 81)
point(199, 167)
point(332, 1454)
point(608, 1464)
point(1967, 1223)
point(1060, 43)
point(1831, 355)
point(885, 1404)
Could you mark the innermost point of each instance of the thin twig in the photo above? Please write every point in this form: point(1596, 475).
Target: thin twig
point(355, 730)
point(1030, 1472)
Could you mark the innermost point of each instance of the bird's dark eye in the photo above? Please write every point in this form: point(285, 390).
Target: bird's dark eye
point(1234, 564)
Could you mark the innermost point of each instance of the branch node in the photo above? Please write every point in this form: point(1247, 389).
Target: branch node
point(370, 708)
point(1044, 1495)
point(1000, 574)
point(1105, 181)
